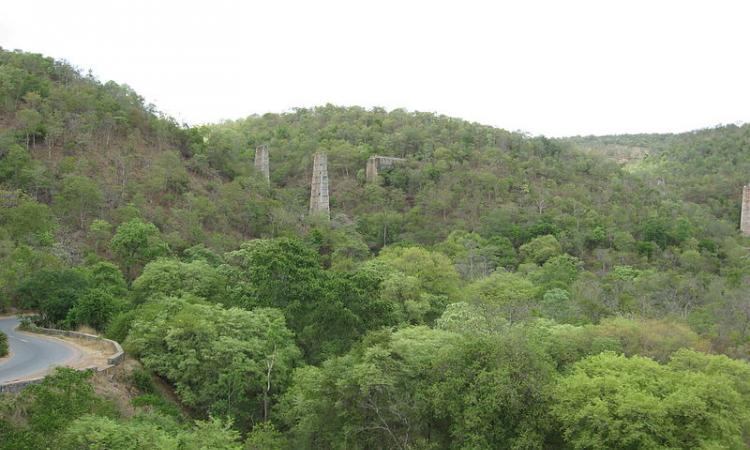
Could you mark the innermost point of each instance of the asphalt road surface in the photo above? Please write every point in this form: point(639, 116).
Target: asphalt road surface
point(31, 354)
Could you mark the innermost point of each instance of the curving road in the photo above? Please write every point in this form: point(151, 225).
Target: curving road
point(31, 354)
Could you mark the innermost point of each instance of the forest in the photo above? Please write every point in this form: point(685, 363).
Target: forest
point(496, 290)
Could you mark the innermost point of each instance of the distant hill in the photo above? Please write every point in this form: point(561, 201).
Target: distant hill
point(93, 154)
point(198, 185)
point(707, 167)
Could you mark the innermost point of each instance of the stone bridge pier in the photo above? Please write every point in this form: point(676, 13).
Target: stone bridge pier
point(319, 201)
point(261, 162)
point(745, 219)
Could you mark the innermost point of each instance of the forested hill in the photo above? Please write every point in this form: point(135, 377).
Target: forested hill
point(471, 297)
point(707, 167)
point(95, 151)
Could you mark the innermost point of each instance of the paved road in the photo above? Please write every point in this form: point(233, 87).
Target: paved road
point(31, 354)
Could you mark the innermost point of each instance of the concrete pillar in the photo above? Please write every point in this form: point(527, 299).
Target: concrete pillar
point(319, 202)
point(371, 170)
point(261, 162)
point(745, 219)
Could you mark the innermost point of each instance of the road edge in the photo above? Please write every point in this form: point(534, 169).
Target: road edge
point(112, 361)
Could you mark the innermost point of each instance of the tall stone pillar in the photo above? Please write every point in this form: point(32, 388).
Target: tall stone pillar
point(745, 219)
point(261, 162)
point(371, 169)
point(319, 202)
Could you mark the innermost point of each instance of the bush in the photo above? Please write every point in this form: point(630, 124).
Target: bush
point(26, 324)
point(265, 437)
point(3, 344)
point(612, 401)
point(158, 404)
point(119, 326)
point(43, 411)
point(141, 378)
point(656, 339)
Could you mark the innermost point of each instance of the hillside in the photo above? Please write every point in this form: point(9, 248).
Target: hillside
point(706, 167)
point(472, 296)
point(197, 184)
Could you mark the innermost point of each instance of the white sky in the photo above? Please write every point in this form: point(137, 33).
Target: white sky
point(545, 67)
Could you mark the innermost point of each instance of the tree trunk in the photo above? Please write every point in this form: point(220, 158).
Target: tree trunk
point(269, 369)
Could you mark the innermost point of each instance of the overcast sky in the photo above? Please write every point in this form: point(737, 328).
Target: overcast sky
point(546, 67)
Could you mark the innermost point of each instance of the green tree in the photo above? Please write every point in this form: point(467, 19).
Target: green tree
point(557, 305)
point(433, 270)
point(405, 294)
point(31, 122)
point(135, 243)
point(91, 431)
point(369, 398)
point(211, 434)
point(47, 408)
point(462, 317)
point(100, 232)
point(52, 293)
point(264, 436)
point(540, 249)
point(656, 339)
point(79, 199)
point(736, 372)
point(472, 255)
point(327, 310)
point(493, 392)
point(280, 273)
point(642, 404)
point(16, 166)
point(108, 277)
point(95, 308)
point(22, 262)
point(30, 222)
point(557, 272)
point(504, 294)
point(223, 362)
point(168, 276)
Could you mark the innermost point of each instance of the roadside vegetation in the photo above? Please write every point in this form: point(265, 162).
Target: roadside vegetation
point(3, 344)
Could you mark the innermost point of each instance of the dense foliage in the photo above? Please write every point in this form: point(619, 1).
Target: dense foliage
point(64, 412)
point(228, 362)
point(3, 344)
point(495, 290)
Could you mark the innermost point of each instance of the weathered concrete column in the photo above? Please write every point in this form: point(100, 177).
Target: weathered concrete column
point(371, 169)
point(319, 201)
point(745, 218)
point(261, 162)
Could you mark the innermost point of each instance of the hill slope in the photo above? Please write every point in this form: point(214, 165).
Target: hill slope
point(707, 167)
point(473, 296)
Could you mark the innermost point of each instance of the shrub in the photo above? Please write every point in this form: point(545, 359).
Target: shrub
point(141, 378)
point(3, 344)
